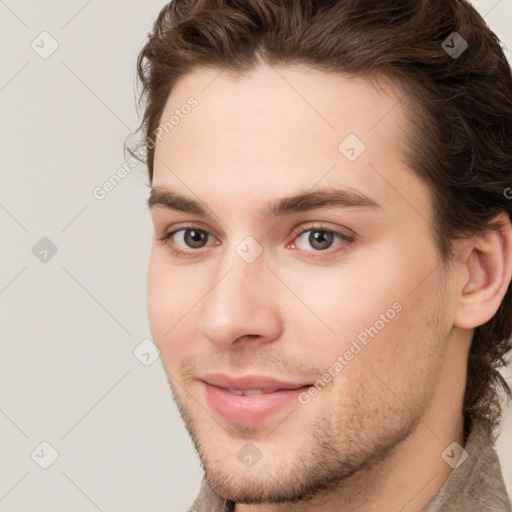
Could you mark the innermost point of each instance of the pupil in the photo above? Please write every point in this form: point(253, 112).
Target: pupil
point(324, 238)
point(196, 237)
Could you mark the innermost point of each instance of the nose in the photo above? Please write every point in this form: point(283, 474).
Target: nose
point(242, 304)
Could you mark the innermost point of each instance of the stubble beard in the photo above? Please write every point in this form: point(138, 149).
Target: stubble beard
point(339, 448)
point(328, 457)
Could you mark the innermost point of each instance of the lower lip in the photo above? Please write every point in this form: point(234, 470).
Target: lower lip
point(249, 410)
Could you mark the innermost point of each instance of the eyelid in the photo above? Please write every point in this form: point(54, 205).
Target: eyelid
point(331, 252)
point(196, 226)
point(176, 229)
point(298, 231)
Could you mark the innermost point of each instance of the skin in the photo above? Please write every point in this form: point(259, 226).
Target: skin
point(372, 439)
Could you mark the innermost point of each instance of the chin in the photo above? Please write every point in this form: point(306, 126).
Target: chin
point(257, 486)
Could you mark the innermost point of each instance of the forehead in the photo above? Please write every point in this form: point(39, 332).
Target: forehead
point(277, 128)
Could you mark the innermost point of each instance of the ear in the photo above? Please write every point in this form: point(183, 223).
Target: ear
point(486, 274)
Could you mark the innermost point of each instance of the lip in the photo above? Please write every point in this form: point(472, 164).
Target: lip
point(249, 410)
point(222, 380)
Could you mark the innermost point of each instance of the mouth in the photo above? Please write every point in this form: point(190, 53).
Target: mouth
point(249, 400)
point(251, 392)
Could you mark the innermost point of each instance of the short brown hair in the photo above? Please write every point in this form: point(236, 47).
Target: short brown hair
point(461, 107)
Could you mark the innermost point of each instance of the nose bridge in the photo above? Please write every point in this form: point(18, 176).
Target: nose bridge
point(240, 269)
point(238, 302)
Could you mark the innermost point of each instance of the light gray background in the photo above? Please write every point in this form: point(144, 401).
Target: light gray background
point(69, 326)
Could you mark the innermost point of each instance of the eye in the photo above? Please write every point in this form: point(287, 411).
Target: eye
point(190, 237)
point(189, 240)
point(193, 238)
point(320, 238)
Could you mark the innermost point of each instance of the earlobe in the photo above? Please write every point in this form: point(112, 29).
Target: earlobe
point(487, 275)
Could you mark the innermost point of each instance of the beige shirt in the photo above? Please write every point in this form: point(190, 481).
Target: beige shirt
point(475, 486)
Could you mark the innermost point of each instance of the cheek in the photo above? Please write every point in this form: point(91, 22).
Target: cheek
point(376, 299)
point(379, 301)
point(169, 300)
point(334, 305)
point(157, 294)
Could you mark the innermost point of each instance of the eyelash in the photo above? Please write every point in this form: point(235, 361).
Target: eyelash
point(297, 232)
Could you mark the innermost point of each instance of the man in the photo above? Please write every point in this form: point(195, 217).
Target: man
point(329, 279)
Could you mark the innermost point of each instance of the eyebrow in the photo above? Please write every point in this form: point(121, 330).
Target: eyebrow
point(280, 207)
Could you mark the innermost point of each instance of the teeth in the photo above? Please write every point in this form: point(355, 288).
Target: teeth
point(246, 392)
point(253, 392)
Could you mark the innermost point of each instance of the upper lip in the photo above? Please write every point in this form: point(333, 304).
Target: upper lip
point(250, 382)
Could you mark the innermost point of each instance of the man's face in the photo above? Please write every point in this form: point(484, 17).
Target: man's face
point(364, 311)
